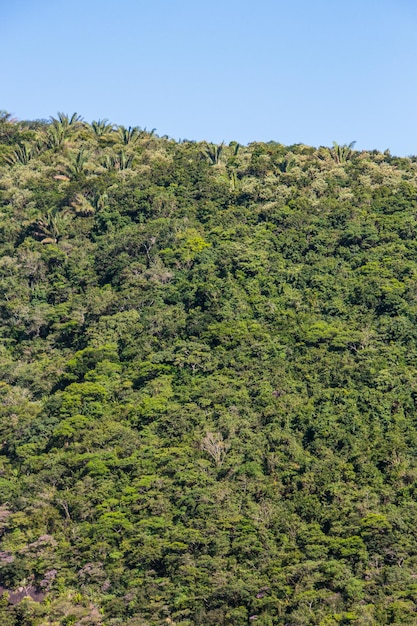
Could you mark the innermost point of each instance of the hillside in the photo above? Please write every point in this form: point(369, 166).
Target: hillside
point(209, 381)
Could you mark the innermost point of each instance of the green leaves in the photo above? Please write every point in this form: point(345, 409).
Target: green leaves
point(209, 365)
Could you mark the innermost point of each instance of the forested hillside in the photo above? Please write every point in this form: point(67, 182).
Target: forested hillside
point(208, 381)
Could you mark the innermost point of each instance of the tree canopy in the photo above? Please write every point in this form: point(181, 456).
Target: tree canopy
point(208, 380)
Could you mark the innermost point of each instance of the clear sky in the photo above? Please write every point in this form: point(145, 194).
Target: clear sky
point(296, 71)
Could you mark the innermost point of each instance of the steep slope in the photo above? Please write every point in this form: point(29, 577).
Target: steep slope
point(209, 381)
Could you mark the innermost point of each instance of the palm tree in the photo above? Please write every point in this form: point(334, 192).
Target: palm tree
point(66, 122)
point(235, 146)
point(6, 117)
point(50, 227)
point(82, 206)
point(55, 137)
point(342, 153)
point(8, 126)
point(102, 127)
point(78, 161)
point(22, 154)
point(120, 161)
point(128, 135)
point(213, 153)
point(61, 128)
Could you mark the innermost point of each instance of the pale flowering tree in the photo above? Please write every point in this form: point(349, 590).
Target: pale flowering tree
point(215, 447)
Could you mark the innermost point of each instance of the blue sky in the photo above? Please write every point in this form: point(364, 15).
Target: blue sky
point(294, 71)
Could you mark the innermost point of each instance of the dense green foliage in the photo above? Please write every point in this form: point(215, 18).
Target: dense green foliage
point(208, 380)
